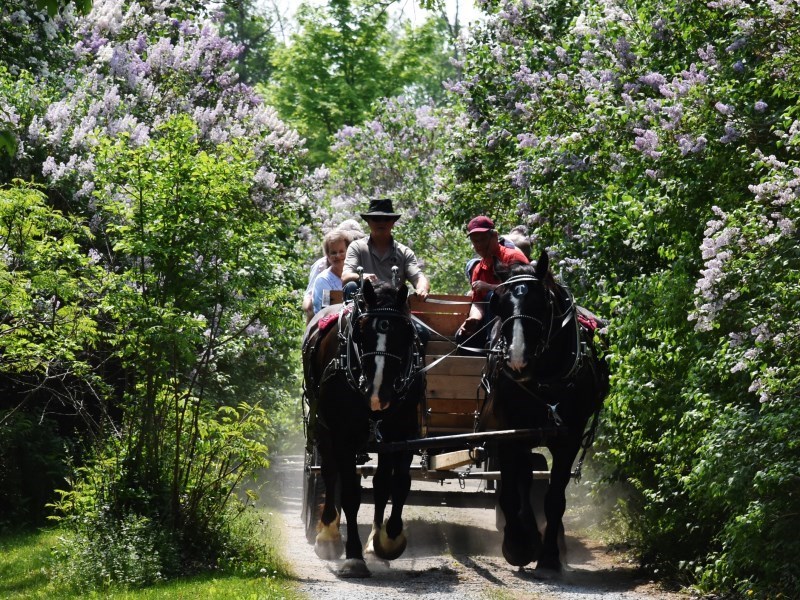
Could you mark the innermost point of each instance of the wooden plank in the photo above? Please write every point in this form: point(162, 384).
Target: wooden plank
point(449, 460)
point(452, 386)
point(444, 430)
point(437, 348)
point(457, 365)
point(440, 303)
point(415, 304)
point(442, 323)
point(453, 405)
point(450, 424)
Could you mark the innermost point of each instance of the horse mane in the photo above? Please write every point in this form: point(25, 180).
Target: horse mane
point(505, 272)
point(387, 296)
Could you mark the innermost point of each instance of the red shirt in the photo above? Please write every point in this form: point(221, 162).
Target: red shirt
point(484, 270)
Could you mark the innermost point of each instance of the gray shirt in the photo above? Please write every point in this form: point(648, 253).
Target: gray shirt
point(361, 253)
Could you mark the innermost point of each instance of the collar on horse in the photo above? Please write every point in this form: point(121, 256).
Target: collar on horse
point(556, 323)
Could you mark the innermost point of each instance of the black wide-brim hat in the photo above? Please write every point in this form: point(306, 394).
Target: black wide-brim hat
point(380, 208)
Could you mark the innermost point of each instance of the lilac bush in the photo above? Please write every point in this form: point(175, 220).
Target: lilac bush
point(189, 185)
point(653, 149)
point(399, 154)
point(136, 68)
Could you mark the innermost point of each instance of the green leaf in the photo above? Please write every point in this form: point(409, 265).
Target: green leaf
point(8, 143)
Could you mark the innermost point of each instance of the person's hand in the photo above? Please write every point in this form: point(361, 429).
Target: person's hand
point(422, 293)
point(468, 327)
point(371, 277)
point(482, 286)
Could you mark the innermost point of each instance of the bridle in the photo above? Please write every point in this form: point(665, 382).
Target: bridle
point(520, 281)
point(352, 353)
point(551, 323)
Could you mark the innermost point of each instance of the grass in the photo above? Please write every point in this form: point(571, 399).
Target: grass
point(25, 559)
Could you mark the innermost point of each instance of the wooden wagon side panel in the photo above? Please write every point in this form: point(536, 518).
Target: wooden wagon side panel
point(443, 313)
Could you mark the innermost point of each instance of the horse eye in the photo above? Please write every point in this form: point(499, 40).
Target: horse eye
point(382, 326)
point(520, 290)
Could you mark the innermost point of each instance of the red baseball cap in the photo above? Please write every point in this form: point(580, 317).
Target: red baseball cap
point(480, 224)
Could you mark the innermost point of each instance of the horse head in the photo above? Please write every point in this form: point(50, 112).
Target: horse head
point(387, 346)
point(525, 307)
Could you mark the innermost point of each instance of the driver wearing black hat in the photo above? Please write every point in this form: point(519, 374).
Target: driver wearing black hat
point(379, 252)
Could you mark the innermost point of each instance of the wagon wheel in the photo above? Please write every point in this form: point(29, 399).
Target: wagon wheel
point(313, 495)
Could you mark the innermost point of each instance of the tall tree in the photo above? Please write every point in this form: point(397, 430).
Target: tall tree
point(342, 59)
point(251, 27)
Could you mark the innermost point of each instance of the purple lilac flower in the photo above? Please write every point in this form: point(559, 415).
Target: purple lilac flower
point(426, 119)
point(694, 76)
point(527, 140)
point(647, 142)
point(724, 109)
point(737, 45)
point(731, 134)
point(653, 79)
point(708, 54)
point(760, 106)
point(727, 4)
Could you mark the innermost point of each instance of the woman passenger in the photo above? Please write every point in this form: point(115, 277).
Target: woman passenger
point(334, 244)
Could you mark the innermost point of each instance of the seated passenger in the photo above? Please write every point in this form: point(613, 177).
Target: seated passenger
point(485, 241)
point(519, 237)
point(334, 245)
point(349, 225)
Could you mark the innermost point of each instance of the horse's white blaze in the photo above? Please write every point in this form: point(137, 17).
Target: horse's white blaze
point(516, 351)
point(377, 381)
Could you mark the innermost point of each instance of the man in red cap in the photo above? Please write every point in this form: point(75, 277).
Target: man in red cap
point(485, 241)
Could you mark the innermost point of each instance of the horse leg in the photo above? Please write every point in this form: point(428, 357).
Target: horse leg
point(527, 515)
point(389, 541)
point(354, 565)
point(381, 491)
point(328, 544)
point(520, 539)
point(555, 503)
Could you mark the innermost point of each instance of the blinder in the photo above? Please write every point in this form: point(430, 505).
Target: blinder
point(520, 286)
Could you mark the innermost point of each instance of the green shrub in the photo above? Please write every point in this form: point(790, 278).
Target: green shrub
point(103, 550)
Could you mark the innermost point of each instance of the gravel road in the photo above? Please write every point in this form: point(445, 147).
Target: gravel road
point(453, 552)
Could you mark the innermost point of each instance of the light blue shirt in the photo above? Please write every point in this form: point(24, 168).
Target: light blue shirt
point(318, 267)
point(327, 280)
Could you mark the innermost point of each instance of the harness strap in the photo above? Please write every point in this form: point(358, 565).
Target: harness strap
point(456, 347)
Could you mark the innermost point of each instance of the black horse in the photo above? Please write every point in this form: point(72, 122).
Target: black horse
point(363, 379)
point(542, 372)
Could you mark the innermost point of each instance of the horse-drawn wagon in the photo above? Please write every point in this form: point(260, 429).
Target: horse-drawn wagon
point(457, 433)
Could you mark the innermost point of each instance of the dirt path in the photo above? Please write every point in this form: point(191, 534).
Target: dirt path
point(452, 553)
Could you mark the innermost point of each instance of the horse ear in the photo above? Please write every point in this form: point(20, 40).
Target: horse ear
point(402, 295)
point(369, 293)
point(542, 265)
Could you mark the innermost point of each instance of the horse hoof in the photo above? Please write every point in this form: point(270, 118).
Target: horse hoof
point(387, 548)
point(548, 565)
point(329, 549)
point(354, 568)
point(518, 555)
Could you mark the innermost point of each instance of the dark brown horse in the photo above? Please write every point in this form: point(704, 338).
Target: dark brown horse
point(543, 371)
point(363, 380)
